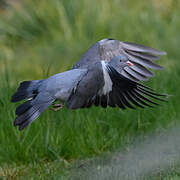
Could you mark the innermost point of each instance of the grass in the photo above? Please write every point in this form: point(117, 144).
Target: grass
point(41, 38)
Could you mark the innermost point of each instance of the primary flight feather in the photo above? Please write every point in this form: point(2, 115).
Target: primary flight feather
point(108, 74)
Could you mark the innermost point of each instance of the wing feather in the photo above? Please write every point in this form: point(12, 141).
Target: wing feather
point(139, 99)
point(126, 91)
point(129, 76)
point(131, 99)
point(136, 74)
point(143, 55)
point(141, 70)
point(144, 62)
point(140, 48)
point(140, 55)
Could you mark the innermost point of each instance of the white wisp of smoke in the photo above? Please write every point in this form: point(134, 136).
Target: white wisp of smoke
point(145, 157)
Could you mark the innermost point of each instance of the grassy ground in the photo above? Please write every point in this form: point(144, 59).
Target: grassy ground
point(41, 38)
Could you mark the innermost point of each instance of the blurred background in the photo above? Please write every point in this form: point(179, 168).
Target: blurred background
point(41, 38)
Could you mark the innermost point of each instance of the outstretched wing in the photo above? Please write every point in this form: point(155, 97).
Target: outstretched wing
point(141, 56)
point(128, 94)
point(124, 92)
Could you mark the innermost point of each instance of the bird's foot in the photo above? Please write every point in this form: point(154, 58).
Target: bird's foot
point(57, 107)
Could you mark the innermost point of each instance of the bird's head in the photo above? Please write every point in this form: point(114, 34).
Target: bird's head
point(120, 62)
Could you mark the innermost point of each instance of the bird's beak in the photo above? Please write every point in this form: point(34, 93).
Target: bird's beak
point(129, 63)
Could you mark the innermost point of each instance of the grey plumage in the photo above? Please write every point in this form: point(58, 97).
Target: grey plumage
point(88, 88)
point(108, 74)
point(40, 94)
point(126, 91)
point(32, 109)
point(141, 56)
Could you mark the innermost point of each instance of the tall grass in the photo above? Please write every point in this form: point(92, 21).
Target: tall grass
point(40, 38)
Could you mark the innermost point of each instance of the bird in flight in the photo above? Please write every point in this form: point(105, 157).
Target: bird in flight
point(108, 74)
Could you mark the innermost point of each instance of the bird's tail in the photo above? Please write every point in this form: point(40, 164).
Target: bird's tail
point(32, 108)
point(27, 89)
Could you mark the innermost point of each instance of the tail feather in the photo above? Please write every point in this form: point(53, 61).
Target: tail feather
point(31, 110)
point(23, 107)
point(26, 89)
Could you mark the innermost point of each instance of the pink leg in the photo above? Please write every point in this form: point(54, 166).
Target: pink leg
point(57, 107)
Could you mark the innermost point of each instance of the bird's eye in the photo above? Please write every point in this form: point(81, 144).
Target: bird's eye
point(120, 60)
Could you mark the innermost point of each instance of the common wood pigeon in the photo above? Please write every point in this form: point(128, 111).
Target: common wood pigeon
point(108, 74)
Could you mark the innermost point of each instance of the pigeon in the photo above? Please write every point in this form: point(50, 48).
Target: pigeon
point(108, 74)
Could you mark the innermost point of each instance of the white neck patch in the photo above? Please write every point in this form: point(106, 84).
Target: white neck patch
point(107, 80)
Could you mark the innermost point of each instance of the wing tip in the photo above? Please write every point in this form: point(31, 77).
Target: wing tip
point(159, 52)
point(163, 53)
point(159, 67)
point(139, 47)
